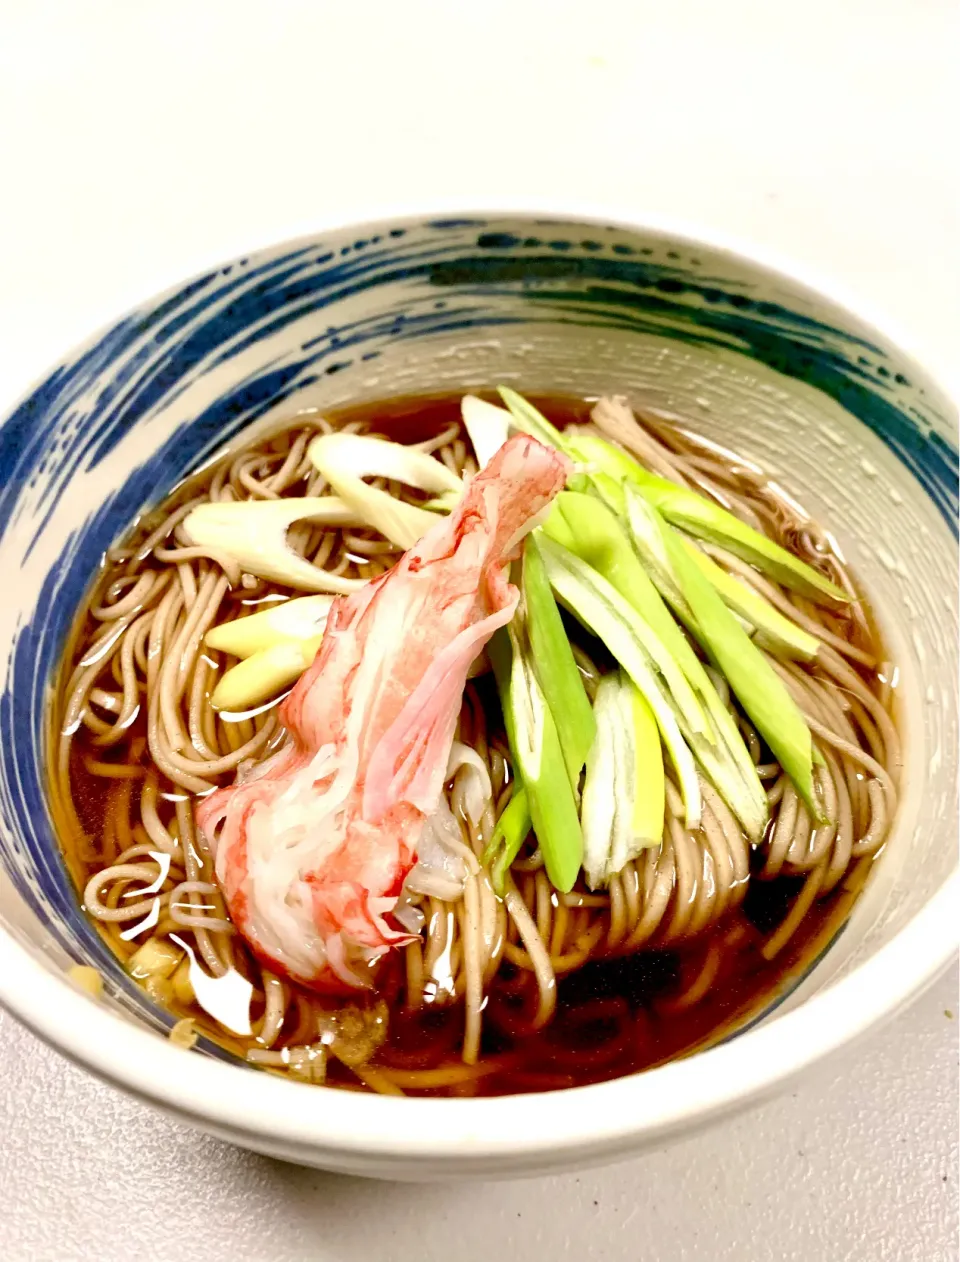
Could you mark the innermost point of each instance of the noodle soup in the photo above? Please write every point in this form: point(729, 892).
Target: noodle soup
point(495, 974)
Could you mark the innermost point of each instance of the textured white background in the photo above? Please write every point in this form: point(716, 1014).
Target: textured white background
point(141, 141)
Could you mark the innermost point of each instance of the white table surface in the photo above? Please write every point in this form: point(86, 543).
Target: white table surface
point(139, 142)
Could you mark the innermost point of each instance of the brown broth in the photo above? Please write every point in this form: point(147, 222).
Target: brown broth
point(616, 1015)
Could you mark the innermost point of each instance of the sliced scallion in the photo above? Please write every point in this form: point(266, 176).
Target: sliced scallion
point(601, 543)
point(776, 631)
point(264, 674)
point(529, 419)
point(555, 665)
point(297, 619)
point(649, 800)
point(591, 531)
point(253, 533)
point(752, 679)
point(509, 834)
point(613, 619)
point(535, 747)
point(487, 426)
point(624, 789)
point(704, 519)
point(346, 459)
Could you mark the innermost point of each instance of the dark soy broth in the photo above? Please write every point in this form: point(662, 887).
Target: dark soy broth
point(618, 1013)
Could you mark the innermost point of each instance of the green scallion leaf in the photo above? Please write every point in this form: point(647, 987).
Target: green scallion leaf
point(776, 630)
point(752, 679)
point(535, 748)
point(608, 615)
point(601, 543)
point(554, 663)
point(704, 519)
point(509, 834)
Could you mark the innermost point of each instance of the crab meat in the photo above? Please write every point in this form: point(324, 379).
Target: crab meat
point(312, 848)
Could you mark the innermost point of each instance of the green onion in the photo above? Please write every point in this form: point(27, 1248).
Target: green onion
point(527, 418)
point(700, 517)
point(531, 421)
point(602, 544)
point(604, 611)
point(600, 456)
point(363, 456)
point(776, 631)
point(275, 646)
point(535, 747)
point(649, 802)
point(487, 426)
point(727, 763)
point(556, 527)
point(610, 491)
point(591, 531)
point(264, 674)
point(346, 459)
point(297, 619)
point(609, 468)
point(598, 809)
point(252, 534)
point(555, 665)
point(646, 528)
point(509, 834)
point(752, 679)
point(157, 957)
point(624, 789)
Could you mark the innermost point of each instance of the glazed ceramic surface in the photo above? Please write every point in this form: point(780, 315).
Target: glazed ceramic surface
point(854, 429)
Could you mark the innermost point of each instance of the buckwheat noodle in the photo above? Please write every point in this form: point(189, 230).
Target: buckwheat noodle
point(135, 729)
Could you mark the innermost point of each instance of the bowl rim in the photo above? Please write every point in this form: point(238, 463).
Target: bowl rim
point(295, 1118)
point(290, 1117)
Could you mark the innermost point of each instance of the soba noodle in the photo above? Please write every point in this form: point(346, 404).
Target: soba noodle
point(137, 741)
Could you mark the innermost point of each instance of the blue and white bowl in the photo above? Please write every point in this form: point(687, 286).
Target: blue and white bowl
point(829, 405)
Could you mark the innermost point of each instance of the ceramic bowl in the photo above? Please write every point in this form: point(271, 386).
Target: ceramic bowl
point(765, 363)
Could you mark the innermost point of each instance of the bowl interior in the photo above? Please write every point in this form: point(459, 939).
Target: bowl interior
point(832, 410)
